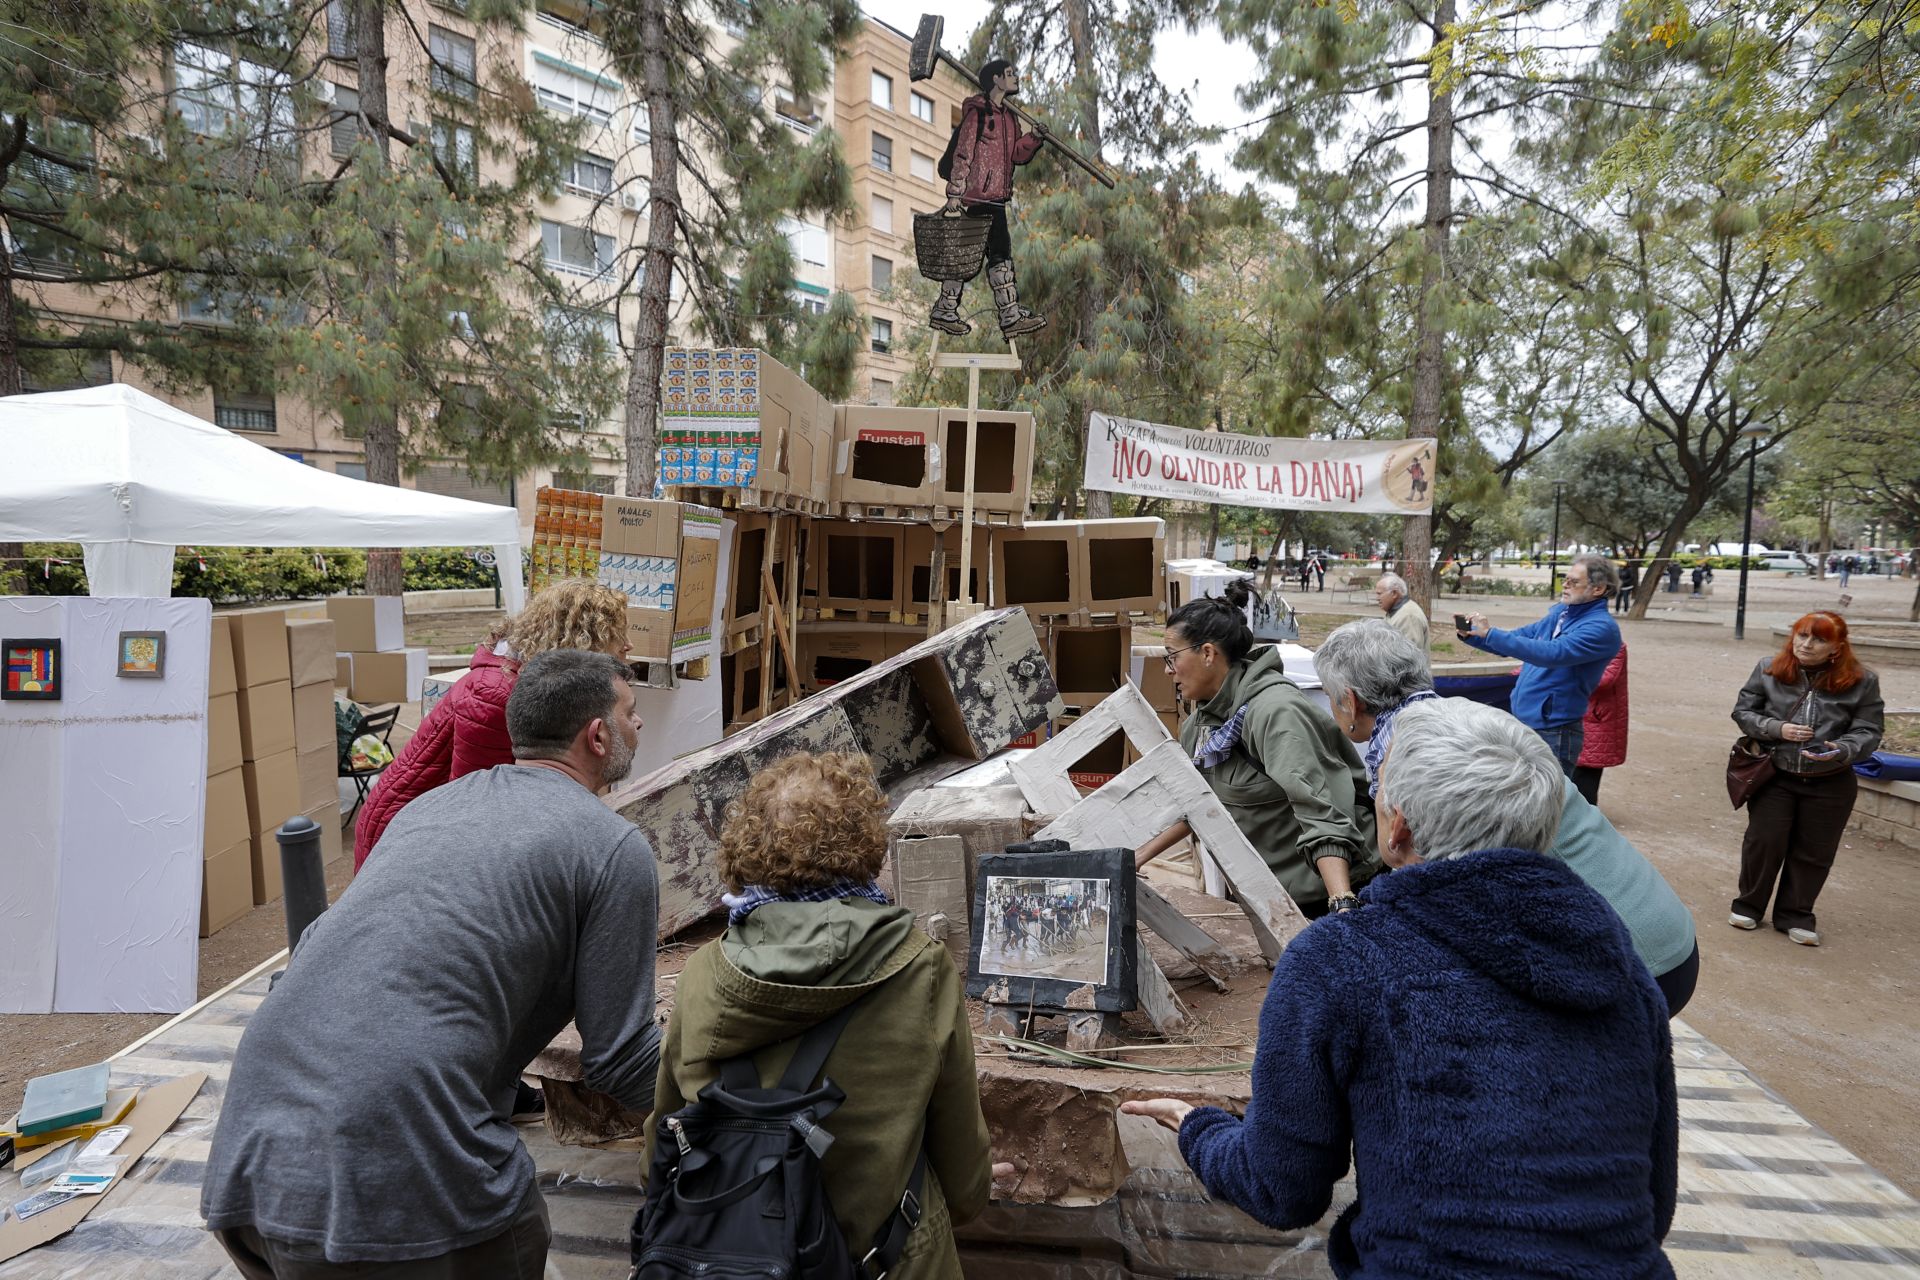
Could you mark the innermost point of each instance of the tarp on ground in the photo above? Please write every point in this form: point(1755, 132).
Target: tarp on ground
point(130, 478)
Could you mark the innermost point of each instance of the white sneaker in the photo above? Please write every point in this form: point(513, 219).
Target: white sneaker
point(1805, 937)
point(1739, 921)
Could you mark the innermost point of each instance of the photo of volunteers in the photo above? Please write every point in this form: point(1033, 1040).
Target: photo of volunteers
point(1046, 928)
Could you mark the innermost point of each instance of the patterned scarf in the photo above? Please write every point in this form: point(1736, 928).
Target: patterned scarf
point(1383, 734)
point(743, 904)
point(1220, 743)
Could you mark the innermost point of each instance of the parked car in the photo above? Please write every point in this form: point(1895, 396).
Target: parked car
point(1787, 560)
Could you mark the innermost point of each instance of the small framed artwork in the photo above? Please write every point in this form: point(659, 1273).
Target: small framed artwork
point(30, 669)
point(143, 655)
point(1054, 929)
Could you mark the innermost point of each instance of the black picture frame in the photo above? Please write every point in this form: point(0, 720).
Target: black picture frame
point(1060, 976)
point(9, 675)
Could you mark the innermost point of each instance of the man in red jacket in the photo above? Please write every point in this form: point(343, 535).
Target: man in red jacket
point(987, 145)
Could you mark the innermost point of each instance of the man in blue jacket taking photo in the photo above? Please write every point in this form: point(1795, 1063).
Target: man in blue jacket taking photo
point(1565, 654)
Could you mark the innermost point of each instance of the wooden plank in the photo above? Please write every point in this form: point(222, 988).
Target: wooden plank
point(1157, 1001)
point(779, 629)
point(1186, 937)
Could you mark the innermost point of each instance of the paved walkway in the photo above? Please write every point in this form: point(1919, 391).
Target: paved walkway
point(1763, 1193)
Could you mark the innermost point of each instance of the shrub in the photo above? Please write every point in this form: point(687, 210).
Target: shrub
point(248, 574)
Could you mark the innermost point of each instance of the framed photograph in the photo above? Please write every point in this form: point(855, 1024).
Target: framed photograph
point(1054, 930)
point(30, 669)
point(143, 655)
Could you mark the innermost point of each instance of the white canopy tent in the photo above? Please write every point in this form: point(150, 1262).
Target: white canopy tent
point(130, 478)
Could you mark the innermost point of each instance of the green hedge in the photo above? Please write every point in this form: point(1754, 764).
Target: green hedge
point(244, 574)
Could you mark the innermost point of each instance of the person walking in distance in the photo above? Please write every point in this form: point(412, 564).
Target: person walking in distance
point(1629, 579)
point(1820, 711)
point(986, 146)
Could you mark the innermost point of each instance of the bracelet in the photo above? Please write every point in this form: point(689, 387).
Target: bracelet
point(1344, 902)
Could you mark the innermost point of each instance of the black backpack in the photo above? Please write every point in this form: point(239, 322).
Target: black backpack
point(735, 1189)
point(945, 167)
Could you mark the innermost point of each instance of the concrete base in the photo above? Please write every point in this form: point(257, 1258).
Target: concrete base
point(1888, 810)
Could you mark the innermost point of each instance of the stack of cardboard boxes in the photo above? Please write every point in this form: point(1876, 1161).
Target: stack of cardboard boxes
point(372, 661)
point(226, 876)
point(311, 649)
point(269, 765)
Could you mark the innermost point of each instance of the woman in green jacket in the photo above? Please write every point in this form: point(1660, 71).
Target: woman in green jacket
point(1292, 782)
point(808, 933)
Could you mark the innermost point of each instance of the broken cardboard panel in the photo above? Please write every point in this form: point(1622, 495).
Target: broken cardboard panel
point(930, 879)
point(966, 694)
point(1003, 476)
point(1044, 774)
point(885, 457)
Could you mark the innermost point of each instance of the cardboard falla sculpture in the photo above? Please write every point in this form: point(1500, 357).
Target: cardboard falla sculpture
point(986, 147)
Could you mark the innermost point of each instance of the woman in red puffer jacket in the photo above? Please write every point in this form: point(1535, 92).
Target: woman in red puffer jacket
point(467, 730)
point(1606, 741)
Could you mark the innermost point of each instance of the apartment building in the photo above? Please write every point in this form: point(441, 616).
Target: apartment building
point(591, 229)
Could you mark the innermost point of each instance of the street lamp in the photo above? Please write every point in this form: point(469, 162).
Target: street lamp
point(1752, 433)
point(1553, 573)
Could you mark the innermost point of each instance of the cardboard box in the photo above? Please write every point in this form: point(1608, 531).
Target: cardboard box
point(930, 879)
point(343, 671)
point(755, 534)
point(368, 624)
point(220, 671)
point(1188, 580)
point(311, 645)
point(227, 822)
point(1003, 477)
point(264, 859)
point(319, 773)
point(223, 733)
point(884, 457)
point(796, 436)
point(273, 790)
point(740, 690)
point(266, 720)
point(665, 558)
point(1089, 662)
point(1036, 566)
point(259, 638)
point(313, 726)
point(332, 836)
point(830, 652)
point(1123, 563)
point(392, 676)
point(737, 418)
point(918, 575)
point(226, 887)
point(858, 566)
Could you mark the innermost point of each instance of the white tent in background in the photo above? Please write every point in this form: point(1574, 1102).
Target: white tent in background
point(130, 478)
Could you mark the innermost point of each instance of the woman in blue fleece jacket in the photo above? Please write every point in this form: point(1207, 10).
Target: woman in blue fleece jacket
point(1479, 1034)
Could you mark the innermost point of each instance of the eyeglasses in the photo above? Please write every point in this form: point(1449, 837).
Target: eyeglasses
point(1171, 653)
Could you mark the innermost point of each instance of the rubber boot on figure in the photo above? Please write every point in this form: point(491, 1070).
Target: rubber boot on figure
point(1015, 319)
point(946, 310)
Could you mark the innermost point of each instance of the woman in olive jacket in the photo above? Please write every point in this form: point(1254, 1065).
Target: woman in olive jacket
point(808, 933)
point(1819, 711)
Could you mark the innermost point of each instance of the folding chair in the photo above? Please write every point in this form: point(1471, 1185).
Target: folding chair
point(380, 724)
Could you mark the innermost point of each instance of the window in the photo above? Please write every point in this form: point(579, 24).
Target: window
point(642, 121)
point(575, 93)
point(809, 304)
point(351, 470)
point(342, 32)
point(455, 70)
point(244, 410)
point(453, 148)
point(589, 174)
point(219, 96)
point(882, 274)
point(883, 153)
point(922, 107)
point(882, 337)
point(882, 91)
point(883, 214)
point(882, 391)
point(922, 168)
point(573, 333)
point(809, 241)
point(67, 371)
point(584, 482)
point(798, 114)
point(344, 132)
point(575, 17)
point(576, 250)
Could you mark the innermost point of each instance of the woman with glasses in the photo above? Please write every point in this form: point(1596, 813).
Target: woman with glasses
point(1292, 783)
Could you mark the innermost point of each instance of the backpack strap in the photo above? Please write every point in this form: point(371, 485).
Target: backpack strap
point(891, 1240)
point(815, 1046)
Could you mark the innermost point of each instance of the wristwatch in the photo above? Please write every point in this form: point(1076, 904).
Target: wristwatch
point(1344, 902)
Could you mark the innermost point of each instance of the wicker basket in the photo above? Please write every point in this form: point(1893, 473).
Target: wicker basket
point(950, 248)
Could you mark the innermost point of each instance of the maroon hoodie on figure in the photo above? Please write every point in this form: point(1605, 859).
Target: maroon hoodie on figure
point(988, 147)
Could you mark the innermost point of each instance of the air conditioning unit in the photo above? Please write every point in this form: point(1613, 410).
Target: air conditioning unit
point(633, 201)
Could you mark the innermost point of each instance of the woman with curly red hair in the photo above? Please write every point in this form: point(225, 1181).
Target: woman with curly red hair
point(1820, 711)
point(809, 932)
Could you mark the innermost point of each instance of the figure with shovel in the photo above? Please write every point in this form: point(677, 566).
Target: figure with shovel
point(981, 156)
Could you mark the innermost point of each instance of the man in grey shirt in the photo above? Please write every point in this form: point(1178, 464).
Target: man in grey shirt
point(366, 1118)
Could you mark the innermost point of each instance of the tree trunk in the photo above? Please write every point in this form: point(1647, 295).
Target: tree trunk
point(1826, 539)
point(1429, 354)
point(381, 422)
point(656, 278)
point(1213, 531)
point(1690, 506)
point(12, 554)
point(1093, 297)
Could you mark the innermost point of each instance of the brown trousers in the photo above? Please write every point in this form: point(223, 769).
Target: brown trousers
point(1794, 825)
point(518, 1253)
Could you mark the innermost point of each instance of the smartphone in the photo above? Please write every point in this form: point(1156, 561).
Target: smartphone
point(1821, 755)
point(1462, 623)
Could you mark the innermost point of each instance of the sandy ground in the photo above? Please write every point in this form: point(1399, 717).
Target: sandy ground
point(1835, 1030)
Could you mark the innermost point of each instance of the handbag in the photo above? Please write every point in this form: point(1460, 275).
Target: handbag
point(1749, 768)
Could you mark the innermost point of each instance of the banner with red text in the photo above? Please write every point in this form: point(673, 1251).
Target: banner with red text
point(1381, 477)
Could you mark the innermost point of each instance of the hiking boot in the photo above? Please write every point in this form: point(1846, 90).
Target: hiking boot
point(529, 1104)
point(1805, 937)
point(946, 310)
point(1015, 320)
point(1739, 921)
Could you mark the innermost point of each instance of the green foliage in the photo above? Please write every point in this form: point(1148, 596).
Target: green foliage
point(233, 575)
